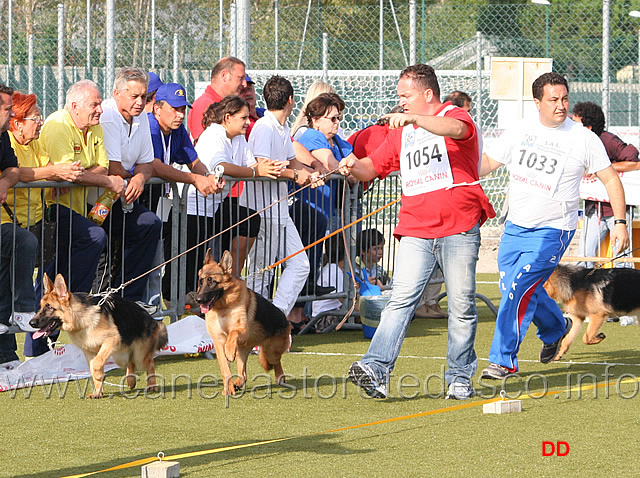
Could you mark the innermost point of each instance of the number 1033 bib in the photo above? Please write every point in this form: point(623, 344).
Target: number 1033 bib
point(537, 164)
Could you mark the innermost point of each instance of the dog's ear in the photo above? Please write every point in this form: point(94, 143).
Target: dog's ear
point(47, 284)
point(227, 262)
point(208, 258)
point(61, 287)
point(550, 286)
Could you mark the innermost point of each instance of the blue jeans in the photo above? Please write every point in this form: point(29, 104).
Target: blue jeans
point(18, 251)
point(139, 232)
point(526, 259)
point(79, 261)
point(457, 256)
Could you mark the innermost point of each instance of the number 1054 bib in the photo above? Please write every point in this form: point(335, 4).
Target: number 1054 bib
point(424, 162)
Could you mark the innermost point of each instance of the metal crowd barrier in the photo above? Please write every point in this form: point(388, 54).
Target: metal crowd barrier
point(112, 256)
point(305, 208)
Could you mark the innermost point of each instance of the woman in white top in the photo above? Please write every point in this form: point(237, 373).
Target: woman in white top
point(223, 143)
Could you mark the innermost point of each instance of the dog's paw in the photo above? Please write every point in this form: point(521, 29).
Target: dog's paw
point(229, 386)
point(152, 389)
point(594, 340)
point(95, 395)
point(238, 383)
point(564, 348)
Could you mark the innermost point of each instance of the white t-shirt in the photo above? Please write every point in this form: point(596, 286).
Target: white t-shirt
point(269, 139)
point(546, 166)
point(214, 147)
point(124, 147)
point(331, 275)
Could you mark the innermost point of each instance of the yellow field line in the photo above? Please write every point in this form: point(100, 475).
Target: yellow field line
point(461, 406)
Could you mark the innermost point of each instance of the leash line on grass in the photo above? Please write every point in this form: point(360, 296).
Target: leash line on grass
point(145, 461)
point(437, 411)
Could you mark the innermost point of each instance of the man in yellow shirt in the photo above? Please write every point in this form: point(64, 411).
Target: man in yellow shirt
point(69, 135)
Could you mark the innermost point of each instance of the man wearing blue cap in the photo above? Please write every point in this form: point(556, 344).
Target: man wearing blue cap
point(171, 143)
point(154, 83)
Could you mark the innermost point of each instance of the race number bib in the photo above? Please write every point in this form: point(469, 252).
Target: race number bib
point(537, 164)
point(424, 161)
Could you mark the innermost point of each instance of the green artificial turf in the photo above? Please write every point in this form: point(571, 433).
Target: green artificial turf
point(60, 436)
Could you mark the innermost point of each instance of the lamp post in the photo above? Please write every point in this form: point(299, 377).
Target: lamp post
point(636, 14)
point(547, 3)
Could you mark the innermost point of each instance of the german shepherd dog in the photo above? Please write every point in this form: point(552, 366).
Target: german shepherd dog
point(238, 319)
point(119, 328)
point(593, 293)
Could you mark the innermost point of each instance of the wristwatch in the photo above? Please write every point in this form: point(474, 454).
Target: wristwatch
point(295, 175)
point(620, 221)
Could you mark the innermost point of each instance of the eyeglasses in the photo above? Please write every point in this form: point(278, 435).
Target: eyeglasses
point(37, 119)
point(334, 119)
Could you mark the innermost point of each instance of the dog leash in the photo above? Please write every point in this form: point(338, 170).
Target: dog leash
point(602, 264)
point(110, 291)
point(331, 234)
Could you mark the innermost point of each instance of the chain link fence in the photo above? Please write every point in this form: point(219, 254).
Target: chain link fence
point(368, 43)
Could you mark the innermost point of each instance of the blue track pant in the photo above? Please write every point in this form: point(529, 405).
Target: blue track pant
point(526, 259)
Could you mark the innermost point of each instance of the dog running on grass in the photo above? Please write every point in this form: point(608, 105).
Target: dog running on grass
point(119, 328)
point(593, 293)
point(238, 319)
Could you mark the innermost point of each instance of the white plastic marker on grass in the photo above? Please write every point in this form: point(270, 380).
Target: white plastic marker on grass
point(161, 469)
point(502, 406)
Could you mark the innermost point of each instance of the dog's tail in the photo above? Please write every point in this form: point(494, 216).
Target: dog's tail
point(162, 337)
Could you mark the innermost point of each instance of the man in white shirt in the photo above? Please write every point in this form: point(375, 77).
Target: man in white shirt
point(270, 140)
point(127, 139)
point(547, 158)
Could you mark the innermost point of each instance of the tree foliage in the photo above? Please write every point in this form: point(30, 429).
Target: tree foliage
point(514, 27)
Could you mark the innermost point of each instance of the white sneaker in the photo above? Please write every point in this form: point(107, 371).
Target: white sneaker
point(10, 365)
point(21, 319)
point(460, 391)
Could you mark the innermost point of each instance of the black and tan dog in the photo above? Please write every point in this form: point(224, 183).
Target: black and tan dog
point(238, 319)
point(593, 293)
point(119, 328)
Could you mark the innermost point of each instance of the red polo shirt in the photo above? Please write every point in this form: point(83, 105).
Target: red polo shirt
point(200, 105)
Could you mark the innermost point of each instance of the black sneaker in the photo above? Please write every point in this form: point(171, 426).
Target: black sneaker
point(548, 352)
point(495, 372)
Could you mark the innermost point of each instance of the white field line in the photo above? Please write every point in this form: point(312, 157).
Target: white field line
point(568, 363)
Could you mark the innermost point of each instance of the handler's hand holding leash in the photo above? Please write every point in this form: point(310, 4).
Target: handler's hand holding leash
point(620, 236)
point(399, 120)
point(346, 165)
